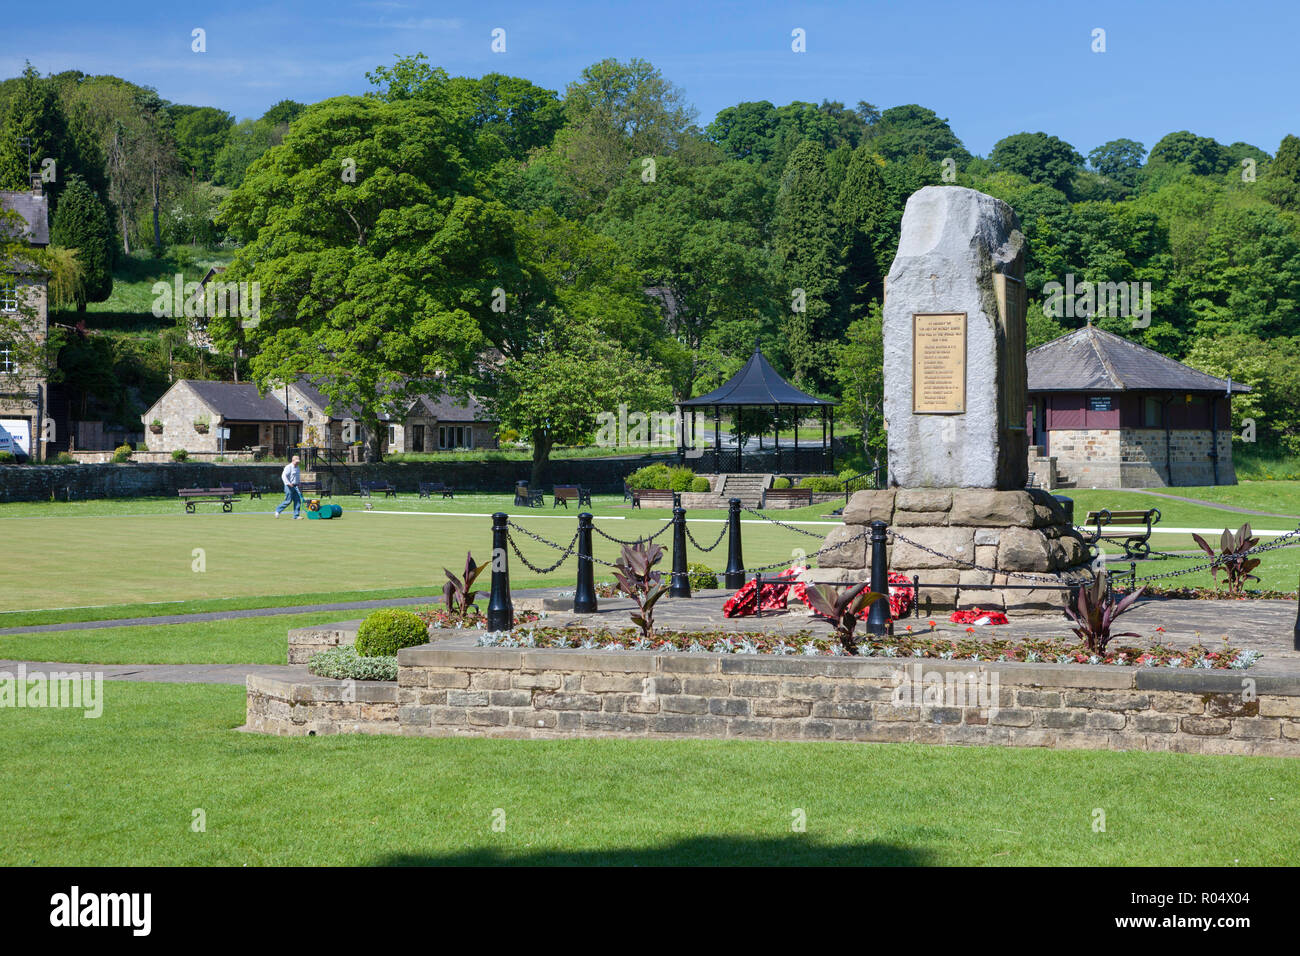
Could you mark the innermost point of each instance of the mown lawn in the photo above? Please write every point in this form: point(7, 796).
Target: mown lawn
point(123, 790)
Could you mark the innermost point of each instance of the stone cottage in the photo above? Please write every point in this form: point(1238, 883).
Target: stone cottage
point(24, 304)
point(1106, 412)
point(219, 417)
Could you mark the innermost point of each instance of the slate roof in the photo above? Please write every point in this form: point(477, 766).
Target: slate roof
point(756, 384)
point(240, 402)
point(1093, 360)
point(447, 409)
point(35, 209)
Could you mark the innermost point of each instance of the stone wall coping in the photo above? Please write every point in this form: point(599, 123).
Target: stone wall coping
point(324, 690)
point(1107, 677)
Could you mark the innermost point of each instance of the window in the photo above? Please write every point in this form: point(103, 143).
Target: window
point(1151, 413)
point(455, 436)
point(7, 363)
point(8, 295)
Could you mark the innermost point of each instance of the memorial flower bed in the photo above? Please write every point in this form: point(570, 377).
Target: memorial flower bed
point(805, 643)
point(1210, 594)
point(438, 616)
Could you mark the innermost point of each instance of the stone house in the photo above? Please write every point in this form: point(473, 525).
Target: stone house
point(192, 415)
point(24, 295)
point(1105, 412)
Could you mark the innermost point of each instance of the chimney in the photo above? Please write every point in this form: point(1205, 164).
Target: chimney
point(36, 184)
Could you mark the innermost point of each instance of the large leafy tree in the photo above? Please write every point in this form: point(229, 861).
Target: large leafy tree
point(200, 133)
point(1038, 157)
point(376, 263)
point(1200, 155)
point(906, 131)
point(1119, 159)
point(862, 211)
point(81, 223)
point(1282, 182)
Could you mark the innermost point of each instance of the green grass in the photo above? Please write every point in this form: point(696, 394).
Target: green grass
point(122, 790)
point(1260, 465)
point(252, 640)
point(250, 558)
point(134, 276)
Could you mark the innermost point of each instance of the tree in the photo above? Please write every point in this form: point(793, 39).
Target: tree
point(1200, 155)
point(1282, 181)
point(1270, 369)
point(859, 372)
point(554, 393)
point(200, 133)
point(35, 129)
point(1039, 158)
point(1120, 160)
point(861, 209)
point(805, 243)
point(906, 131)
point(81, 223)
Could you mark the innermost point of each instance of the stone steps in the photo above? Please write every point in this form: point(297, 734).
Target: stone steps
point(748, 488)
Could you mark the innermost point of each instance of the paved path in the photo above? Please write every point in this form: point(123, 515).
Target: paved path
point(165, 673)
point(1219, 505)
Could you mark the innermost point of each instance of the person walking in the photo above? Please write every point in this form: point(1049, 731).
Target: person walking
point(290, 477)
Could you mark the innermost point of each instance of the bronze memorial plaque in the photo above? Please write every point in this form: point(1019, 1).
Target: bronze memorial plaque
point(939, 363)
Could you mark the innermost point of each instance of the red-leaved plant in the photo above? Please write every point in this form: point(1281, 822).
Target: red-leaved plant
point(1232, 558)
point(458, 593)
point(842, 609)
point(1095, 610)
point(634, 571)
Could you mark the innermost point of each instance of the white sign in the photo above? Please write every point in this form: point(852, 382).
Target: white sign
point(16, 436)
point(223, 432)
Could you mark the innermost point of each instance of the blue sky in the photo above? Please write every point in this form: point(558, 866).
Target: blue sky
point(1227, 70)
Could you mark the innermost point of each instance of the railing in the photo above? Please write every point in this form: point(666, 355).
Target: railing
point(862, 482)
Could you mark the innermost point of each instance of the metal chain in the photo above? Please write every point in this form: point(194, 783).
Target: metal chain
point(1281, 542)
point(979, 567)
point(721, 535)
point(610, 537)
point(534, 568)
point(815, 554)
point(788, 527)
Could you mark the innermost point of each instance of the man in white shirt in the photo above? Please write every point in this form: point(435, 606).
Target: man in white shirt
point(290, 477)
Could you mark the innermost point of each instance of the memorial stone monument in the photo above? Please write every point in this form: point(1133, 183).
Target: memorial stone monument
point(955, 383)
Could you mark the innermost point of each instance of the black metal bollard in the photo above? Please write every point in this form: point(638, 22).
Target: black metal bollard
point(734, 576)
point(584, 598)
point(681, 585)
point(501, 612)
point(878, 613)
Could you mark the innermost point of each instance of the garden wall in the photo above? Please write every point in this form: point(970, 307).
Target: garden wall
point(446, 690)
point(315, 706)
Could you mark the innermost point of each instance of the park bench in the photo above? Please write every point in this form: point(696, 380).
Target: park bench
point(787, 494)
point(565, 493)
point(656, 497)
point(366, 488)
point(247, 488)
point(195, 496)
point(429, 488)
point(528, 497)
point(315, 487)
point(1135, 543)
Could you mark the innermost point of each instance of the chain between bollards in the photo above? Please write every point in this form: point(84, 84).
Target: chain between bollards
point(734, 576)
point(681, 583)
point(878, 613)
point(501, 613)
point(584, 597)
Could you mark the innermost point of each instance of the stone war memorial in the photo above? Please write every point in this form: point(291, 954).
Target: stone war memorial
point(959, 515)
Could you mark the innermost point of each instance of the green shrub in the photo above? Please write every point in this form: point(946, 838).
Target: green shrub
point(701, 485)
point(679, 479)
point(651, 476)
point(780, 484)
point(701, 577)
point(7, 458)
point(63, 458)
point(122, 454)
point(822, 483)
point(387, 631)
point(344, 663)
point(180, 454)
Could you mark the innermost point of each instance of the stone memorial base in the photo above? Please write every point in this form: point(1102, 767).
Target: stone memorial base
point(1001, 532)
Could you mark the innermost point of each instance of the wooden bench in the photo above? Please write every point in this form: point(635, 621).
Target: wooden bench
point(563, 494)
point(1135, 543)
point(314, 487)
point(528, 497)
point(787, 494)
point(656, 497)
point(195, 496)
point(429, 488)
point(247, 488)
point(367, 487)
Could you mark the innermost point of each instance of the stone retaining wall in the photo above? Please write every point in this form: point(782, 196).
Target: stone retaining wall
point(570, 693)
point(316, 706)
